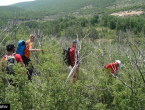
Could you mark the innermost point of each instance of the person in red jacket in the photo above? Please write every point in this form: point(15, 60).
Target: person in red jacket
point(113, 67)
point(10, 51)
point(74, 59)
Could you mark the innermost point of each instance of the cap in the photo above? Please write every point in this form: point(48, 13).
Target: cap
point(75, 41)
point(10, 47)
point(119, 62)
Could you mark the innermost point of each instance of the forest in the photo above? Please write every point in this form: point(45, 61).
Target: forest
point(103, 38)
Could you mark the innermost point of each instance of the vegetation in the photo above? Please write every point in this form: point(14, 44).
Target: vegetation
point(63, 5)
point(102, 39)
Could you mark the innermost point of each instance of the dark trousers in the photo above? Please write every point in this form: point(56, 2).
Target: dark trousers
point(29, 67)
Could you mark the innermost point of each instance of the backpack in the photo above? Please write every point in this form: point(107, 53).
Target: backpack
point(66, 56)
point(21, 47)
point(10, 61)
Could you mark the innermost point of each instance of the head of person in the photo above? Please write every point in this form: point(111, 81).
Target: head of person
point(32, 37)
point(75, 42)
point(118, 63)
point(10, 48)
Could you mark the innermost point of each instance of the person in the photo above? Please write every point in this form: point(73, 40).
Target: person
point(11, 52)
point(113, 67)
point(26, 57)
point(74, 60)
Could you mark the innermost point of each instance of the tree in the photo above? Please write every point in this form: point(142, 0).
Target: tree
point(112, 24)
point(94, 20)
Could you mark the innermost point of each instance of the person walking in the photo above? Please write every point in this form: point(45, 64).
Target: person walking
point(26, 57)
point(10, 58)
point(74, 60)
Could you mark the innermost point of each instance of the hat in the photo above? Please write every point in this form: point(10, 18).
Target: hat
point(10, 47)
point(119, 62)
point(75, 41)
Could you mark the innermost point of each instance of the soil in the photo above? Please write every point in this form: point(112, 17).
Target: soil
point(128, 13)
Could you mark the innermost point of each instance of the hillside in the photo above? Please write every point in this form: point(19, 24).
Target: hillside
point(8, 12)
point(127, 3)
point(12, 12)
point(63, 5)
point(57, 6)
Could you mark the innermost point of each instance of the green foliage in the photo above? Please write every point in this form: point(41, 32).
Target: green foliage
point(94, 20)
point(94, 88)
point(134, 24)
point(8, 12)
point(94, 33)
point(63, 6)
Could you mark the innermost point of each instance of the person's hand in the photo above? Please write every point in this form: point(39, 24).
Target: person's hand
point(39, 49)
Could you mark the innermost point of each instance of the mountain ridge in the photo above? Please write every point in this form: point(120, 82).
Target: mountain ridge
point(62, 5)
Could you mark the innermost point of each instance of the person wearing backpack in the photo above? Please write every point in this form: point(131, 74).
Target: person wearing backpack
point(74, 59)
point(10, 59)
point(26, 56)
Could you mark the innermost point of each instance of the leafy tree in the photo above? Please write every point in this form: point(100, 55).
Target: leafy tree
point(94, 19)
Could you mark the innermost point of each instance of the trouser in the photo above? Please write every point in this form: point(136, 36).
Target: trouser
point(75, 74)
point(28, 66)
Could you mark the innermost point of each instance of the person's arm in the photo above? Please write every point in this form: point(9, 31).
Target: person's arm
point(107, 68)
point(34, 50)
point(22, 64)
point(19, 60)
point(72, 57)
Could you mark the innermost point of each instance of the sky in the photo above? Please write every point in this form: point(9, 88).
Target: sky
point(9, 2)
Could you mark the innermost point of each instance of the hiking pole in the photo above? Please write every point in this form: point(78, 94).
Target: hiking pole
point(73, 69)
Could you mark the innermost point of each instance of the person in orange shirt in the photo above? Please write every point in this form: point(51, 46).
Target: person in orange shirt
point(26, 57)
